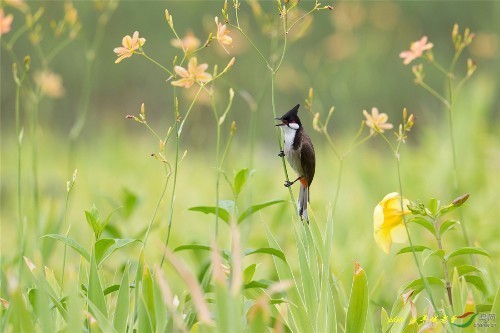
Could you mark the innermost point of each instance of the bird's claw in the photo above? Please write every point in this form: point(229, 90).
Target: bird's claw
point(281, 153)
point(288, 183)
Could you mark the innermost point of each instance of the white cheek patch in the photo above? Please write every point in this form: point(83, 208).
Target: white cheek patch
point(294, 126)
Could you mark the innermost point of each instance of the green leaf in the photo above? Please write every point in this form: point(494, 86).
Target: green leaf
point(418, 284)
point(148, 295)
point(384, 319)
point(106, 221)
point(122, 303)
point(223, 214)
point(467, 250)
point(477, 282)
point(424, 223)
point(466, 269)
point(130, 202)
point(71, 243)
point(248, 273)
point(434, 205)
point(93, 222)
point(417, 248)
point(263, 284)
point(252, 209)
point(111, 289)
point(447, 225)
point(104, 323)
point(106, 246)
point(426, 254)
point(241, 179)
point(95, 293)
point(266, 250)
point(358, 303)
point(193, 247)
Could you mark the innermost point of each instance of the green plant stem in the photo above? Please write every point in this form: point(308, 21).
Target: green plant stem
point(444, 261)
point(177, 130)
point(219, 166)
point(148, 230)
point(424, 279)
point(400, 182)
point(156, 62)
point(278, 137)
point(34, 168)
point(434, 93)
point(456, 185)
point(91, 56)
point(67, 233)
point(19, 165)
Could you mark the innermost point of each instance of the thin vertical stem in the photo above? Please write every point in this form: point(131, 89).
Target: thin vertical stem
point(426, 283)
point(176, 169)
point(444, 261)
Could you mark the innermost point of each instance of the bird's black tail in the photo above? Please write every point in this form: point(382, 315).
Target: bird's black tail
point(302, 202)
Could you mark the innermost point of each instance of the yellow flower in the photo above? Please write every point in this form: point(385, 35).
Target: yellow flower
point(377, 122)
point(222, 35)
point(5, 22)
point(388, 221)
point(188, 43)
point(194, 73)
point(50, 83)
point(130, 44)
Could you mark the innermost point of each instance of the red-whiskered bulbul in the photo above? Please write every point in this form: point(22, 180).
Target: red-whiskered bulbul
point(299, 152)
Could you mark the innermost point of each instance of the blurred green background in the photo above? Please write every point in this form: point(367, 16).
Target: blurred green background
point(348, 55)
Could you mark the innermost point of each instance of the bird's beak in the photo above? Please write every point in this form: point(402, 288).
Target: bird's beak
point(281, 124)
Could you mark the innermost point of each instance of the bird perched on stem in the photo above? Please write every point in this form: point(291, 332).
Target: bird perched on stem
point(299, 152)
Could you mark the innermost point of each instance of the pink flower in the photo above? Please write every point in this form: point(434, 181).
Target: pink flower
point(5, 22)
point(192, 74)
point(188, 43)
point(222, 35)
point(377, 122)
point(130, 44)
point(416, 50)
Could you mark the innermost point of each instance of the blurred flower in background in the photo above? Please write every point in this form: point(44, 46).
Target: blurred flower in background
point(188, 43)
point(49, 83)
point(5, 22)
point(223, 35)
point(416, 50)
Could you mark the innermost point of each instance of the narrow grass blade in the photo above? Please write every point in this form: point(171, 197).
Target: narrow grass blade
point(71, 243)
point(255, 208)
point(120, 318)
point(95, 293)
point(358, 303)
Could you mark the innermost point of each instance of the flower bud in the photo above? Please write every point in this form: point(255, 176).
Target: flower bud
point(471, 67)
point(460, 200)
point(454, 33)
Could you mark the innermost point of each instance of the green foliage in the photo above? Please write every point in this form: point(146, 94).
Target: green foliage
point(107, 284)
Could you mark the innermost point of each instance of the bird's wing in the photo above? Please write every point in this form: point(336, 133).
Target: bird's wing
point(307, 154)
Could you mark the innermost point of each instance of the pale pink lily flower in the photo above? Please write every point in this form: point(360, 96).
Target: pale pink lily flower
point(188, 43)
point(194, 73)
point(130, 45)
point(416, 50)
point(50, 83)
point(222, 35)
point(5, 22)
point(377, 122)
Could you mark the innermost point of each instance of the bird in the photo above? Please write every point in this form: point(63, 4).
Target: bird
point(299, 152)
